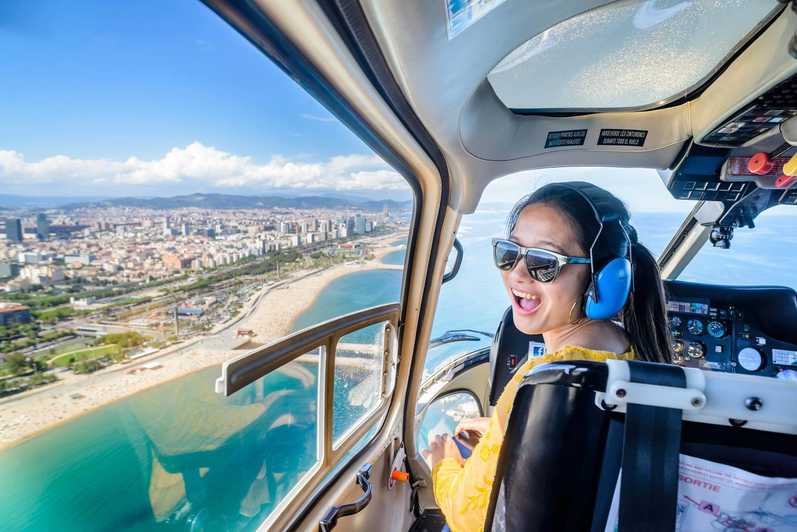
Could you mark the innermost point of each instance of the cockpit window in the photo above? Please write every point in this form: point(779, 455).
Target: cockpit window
point(475, 298)
point(171, 200)
point(627, 54)
point(760, 256)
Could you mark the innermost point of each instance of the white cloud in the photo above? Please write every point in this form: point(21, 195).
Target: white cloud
point(198, 164)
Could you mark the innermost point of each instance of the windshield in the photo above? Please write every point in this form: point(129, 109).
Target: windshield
point(626, 54)
point(760, 256)
point(171, 200)
point(476, 299)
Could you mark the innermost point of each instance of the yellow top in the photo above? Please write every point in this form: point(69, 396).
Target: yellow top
point(463, 492)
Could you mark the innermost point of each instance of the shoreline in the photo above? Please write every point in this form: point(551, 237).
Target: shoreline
point(272, 312)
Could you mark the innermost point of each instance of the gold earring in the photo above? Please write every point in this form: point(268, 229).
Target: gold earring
point(572, 308)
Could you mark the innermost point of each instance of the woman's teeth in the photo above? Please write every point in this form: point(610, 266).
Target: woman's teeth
point(526, 301)
point(523, 295)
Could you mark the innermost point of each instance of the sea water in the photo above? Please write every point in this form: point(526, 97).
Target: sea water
point(180, 457)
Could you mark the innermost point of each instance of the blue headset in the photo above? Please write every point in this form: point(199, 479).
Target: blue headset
point(610, 253)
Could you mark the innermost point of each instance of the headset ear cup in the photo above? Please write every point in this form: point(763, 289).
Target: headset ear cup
point(613, 284)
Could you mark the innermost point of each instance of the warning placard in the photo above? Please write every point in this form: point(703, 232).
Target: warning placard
point(570, 137)
point(622, 137)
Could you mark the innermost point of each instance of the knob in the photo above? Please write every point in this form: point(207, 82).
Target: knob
point(750, 359)
point(695, 350)
point(760, 164)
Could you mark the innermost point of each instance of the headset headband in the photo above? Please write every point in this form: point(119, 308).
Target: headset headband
point(603, 207)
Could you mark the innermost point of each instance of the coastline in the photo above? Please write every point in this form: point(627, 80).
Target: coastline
point(270, 316)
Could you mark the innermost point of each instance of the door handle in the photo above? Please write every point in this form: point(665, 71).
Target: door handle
point(330, 518)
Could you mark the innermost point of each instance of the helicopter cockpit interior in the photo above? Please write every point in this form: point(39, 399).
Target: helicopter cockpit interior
point(705, 93)
point(687, 102)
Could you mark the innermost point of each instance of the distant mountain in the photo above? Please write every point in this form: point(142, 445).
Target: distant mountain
point(232, 201)
point(12, 201)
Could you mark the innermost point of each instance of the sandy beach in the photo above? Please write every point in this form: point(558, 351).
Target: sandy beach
point(269, 315)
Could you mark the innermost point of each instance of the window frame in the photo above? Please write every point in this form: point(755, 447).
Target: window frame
point(249, 367)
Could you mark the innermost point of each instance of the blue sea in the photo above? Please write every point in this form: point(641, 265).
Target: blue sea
point(180, 457)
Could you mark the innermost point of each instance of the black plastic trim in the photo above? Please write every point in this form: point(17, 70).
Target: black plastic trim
point(363, 479)
point(457, 263)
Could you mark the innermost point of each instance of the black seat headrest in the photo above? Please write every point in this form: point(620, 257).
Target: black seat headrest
point(509, 350)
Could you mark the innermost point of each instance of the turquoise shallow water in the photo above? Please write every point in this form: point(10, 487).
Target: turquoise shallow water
point(179, 457)
point(394, 257)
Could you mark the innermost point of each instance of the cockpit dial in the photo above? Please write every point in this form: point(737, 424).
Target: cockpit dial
point(695, 327)
point(678, 347)
point(716, 329)
point(695, 350)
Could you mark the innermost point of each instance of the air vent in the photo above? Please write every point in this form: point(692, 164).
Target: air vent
point(708, 190)
point(789, 198)
point(765, 112)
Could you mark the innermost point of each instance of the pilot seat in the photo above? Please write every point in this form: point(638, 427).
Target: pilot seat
point(603, 446)
point(577, 429)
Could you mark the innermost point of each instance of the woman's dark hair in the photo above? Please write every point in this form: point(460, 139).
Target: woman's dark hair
point(644, 316)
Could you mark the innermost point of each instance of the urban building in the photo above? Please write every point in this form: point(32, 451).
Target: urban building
point(8, 270)
point(13, 314)
point(42, 226)
point(14, 229)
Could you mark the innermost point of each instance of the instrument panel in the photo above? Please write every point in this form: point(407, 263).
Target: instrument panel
point(747, 330)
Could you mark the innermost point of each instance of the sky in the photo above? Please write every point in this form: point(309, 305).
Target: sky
point(159, 98)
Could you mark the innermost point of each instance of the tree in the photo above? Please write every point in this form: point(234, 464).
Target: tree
point(16, 363)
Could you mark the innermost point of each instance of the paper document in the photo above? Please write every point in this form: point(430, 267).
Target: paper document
point(714, 496)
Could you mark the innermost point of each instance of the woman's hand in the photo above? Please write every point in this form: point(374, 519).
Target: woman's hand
point(476, 424)
point(443, 446)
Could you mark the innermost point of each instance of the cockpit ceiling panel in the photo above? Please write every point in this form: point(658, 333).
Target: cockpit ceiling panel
point(629, 54)
point(762, 115)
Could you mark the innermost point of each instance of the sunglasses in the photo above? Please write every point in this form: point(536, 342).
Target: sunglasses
point(543, 265)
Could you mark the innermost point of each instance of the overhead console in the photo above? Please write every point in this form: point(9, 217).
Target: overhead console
point(751, 330)
point(747, 163)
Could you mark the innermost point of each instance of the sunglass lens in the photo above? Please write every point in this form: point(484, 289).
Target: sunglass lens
point(542, 266)
point(505, 254)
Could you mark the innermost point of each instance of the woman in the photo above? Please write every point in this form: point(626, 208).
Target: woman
point(550, 301)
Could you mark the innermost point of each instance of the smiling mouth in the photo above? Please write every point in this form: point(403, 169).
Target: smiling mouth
point(525, 302)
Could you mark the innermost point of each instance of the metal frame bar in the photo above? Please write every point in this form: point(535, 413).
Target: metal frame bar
point(249, 367)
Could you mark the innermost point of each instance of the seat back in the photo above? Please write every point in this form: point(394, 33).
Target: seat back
point(563, 450)
point(510, 348)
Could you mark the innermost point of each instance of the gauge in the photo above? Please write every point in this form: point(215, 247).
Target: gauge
point(695, 350)
point(695, 327)
point(750, 359)
point(678, 351)
point(716, 329)
point(675, 322)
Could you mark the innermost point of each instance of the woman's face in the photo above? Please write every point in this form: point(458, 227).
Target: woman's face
point(547, 305)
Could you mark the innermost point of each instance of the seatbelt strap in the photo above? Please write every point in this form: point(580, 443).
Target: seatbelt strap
point(652, 440)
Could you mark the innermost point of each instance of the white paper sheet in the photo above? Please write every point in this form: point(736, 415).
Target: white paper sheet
point(714, 496)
